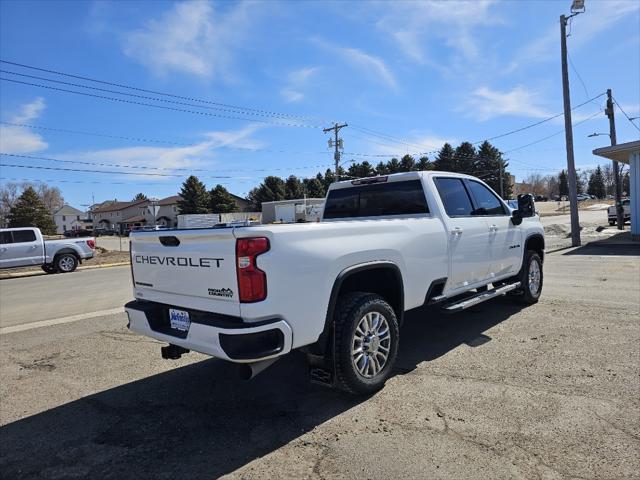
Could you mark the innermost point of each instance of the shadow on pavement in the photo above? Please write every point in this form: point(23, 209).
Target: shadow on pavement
point(618, 244)
point(201, 421)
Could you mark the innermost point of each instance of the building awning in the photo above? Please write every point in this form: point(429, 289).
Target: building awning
point(619, 153)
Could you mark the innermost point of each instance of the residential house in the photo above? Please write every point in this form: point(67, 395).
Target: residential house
point(70, 218)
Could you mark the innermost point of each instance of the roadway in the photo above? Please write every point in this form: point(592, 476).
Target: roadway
point(51, 297)
point(498, 391)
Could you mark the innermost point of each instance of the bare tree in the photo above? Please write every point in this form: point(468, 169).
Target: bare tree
point(9, 193)
point(51, 197)
point(538, 183)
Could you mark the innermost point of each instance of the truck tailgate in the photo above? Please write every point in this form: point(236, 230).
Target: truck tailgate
point(190, 268)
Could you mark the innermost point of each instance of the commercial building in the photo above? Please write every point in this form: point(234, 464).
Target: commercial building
point(628, 153)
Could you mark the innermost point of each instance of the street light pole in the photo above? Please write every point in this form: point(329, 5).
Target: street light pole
point(616, 170)
point(568, 130)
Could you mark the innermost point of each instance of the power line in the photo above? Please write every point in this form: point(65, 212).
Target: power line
point(164, 107)
point(143, 167)
point(535, 124)
point(625, 114)
point(120, 85)
point(111, 172)
point(552, 135)
point(144, 97)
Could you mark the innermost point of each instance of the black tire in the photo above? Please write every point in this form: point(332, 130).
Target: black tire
point(351, 311)
point(611, 223)
point(65, 263)
point(49, 268)
point(528, 294)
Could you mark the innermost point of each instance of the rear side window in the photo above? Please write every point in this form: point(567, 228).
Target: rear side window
point(395, 198)
point(23, 236)
point(454, 196)
point(5, 237)
point(486, 201)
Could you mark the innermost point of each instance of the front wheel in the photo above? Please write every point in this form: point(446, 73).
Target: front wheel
point(531, 278)
point(366, 342)
point(49, 268)
point(66, 263)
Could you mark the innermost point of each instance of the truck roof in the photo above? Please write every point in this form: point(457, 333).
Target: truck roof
point(395, 177)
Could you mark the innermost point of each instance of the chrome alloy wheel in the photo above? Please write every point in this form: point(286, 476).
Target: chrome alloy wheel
point(371, 344)
point(66, 263)
point(534, 277)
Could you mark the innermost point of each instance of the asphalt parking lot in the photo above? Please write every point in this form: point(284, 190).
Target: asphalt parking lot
point(499, 391)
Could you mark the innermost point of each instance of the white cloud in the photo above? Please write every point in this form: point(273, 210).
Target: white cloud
point(372, 66)
point(486, 104)
point(297, 80)
point(191, 38)
point(16, 139)
point(413, 25)
point(198, 155)
point(416, 142)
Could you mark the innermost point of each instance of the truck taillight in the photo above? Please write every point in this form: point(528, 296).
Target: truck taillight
point(252, 282)
point(91, 244)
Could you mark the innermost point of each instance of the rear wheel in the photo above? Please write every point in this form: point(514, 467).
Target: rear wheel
point(366, 342)
point(530, 278)
point(66, 263)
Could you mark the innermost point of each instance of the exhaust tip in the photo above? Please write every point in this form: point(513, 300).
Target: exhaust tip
point(247, 371)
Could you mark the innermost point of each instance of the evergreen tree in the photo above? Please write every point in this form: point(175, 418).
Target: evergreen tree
point(464, 158)
point(407, 164)
point(382, 169)
point(221, 201)
point(314, 188)
point(563, 184)
point(140, 197)
point(30, 211)
point(444, 160)
point(424, 164)
point(270, 190)
point(194, 197)
point(361, 170)
point(579, 184)
point(487, 166)
point(293, 188)
point(393, 166)
point(596, 184)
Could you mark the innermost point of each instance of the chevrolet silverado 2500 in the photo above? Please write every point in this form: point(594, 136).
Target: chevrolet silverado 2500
point(25, 247)
point(337, 289)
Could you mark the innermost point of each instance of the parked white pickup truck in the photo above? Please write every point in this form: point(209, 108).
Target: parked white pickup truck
point(25, 247)
point(612, 215)
point(337, 289)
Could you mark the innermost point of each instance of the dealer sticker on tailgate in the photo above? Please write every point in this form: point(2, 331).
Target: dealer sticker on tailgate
point(179, 320)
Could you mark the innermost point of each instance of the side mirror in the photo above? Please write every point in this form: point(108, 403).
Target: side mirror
point(526, 208)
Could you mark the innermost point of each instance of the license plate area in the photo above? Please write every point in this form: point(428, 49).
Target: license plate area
point(179, 320)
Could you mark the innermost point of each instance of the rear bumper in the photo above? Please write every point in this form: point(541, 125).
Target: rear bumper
point(221, 336)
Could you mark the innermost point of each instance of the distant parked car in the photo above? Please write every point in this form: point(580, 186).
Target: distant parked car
point(541, 198)
point(98, 232)
point(78, 233)
point(582, 197)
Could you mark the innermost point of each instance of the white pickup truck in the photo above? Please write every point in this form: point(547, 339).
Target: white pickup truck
point(25, 247)
point(612, 214)
point(339, 288)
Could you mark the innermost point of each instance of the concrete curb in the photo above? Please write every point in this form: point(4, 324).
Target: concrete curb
point(38, 273)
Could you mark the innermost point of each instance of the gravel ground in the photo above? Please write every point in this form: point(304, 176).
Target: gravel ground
point(545, 392)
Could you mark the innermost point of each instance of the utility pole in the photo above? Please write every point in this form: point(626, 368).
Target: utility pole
point(337, 144)
point(616, 171)
point(568, 131)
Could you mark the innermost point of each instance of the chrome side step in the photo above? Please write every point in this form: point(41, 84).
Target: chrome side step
point(479, 298)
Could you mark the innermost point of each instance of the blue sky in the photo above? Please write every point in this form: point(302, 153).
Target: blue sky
point(421, 72)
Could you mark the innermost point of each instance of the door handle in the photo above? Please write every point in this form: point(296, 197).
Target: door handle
point(493, 228)
point(456, 231)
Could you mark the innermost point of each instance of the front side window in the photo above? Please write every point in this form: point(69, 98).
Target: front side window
point(486, 201)
point(382, 199)
point(23, 236)
point(454, 197)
